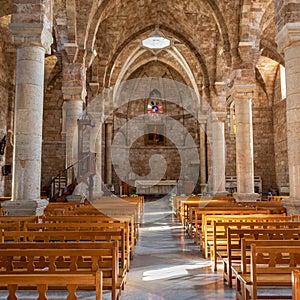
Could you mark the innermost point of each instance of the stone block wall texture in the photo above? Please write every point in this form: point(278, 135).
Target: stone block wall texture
point(263, 142)
point(280, 138)
point(140, 151)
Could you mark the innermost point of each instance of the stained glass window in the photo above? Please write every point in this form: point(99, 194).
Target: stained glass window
point(155, 108)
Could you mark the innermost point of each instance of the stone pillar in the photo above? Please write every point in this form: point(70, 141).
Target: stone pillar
point(108, 144)
point(32, 40)
point(218, 154)
point(74, 93)
point(203, 165)
point(73, 112)
point(288, 40)
point(244, 144)
point(96, 147)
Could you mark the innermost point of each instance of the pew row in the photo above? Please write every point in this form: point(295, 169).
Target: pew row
point(22, 264)
point(270, 266)
point(206, 230)
point(217, 240)
point(73, 236)
point(238, 245)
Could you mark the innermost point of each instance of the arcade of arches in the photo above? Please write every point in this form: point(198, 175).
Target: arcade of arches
point(218, 99)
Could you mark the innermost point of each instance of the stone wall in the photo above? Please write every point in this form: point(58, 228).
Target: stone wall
point(139, 144)
point(280, 138)
point(263, 142)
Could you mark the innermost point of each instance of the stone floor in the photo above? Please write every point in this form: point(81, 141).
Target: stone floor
point(166, 265)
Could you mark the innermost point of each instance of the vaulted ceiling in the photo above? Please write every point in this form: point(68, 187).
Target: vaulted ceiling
point(205, 36)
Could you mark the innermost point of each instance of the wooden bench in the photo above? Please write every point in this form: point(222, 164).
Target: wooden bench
point(117, 234)
point(208, 216)
point(42, 281)
point(128, 213)
point(74, 265)
point(98, 218)
point(271, 266)
point(195, 213)
point(61, 208)
point(16, 222)
point(182, 205)
point(84, 227)
point(216, 240)
point(75, 257)
point(237, 240)
point(203, 223)
point(296, 284)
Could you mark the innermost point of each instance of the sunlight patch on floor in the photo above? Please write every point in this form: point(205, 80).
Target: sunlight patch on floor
point(174, 271)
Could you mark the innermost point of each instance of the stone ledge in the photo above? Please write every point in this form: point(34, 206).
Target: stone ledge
point(292, 205)
point(25, 207)
point(240, 197)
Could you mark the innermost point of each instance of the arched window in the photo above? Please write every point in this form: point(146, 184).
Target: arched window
point(282, 82)
point(232, 119)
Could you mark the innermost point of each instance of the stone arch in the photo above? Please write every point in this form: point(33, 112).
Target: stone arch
point(181, 37)
point(97, 14)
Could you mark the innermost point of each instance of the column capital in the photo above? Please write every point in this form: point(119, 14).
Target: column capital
point(31, 34)
point(71, 93)
point(288, 35)
point(202, 118)
point(109, 120)
point(218, 116)
point(240, 92)
point(74, 81)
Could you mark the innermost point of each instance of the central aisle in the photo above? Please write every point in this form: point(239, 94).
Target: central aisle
point(167, 265)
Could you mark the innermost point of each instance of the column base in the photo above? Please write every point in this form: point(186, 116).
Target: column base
point(245, 197)
point(292, 205)
point(221, 194)
point(25, 207)
point(203, 188)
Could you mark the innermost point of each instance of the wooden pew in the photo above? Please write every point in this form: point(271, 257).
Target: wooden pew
point(271, 266)
point(216, 235)
point(205, 224)
point(182, 204)
point(126, 222)
point(16, 222)
point(237, 240)
point(75, 257)
point(61, 208)
point(92, 214)
point(84, 227)
point(26, 264)
point(42, 281)
point(194, 221)
point(296, 284)
point(117, 234)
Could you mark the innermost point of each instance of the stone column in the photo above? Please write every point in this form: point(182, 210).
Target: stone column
point(218, 154)
point(288, 40)
point(96, 147)
point(32, 40)
point(202, 140)
point(108, 144)
point(73, 112)
point(74, 93)
point(244, 144)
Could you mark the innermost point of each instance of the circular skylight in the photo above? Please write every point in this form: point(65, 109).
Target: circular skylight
point(156, 42)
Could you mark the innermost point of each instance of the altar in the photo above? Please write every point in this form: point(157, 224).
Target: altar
point(154, 187)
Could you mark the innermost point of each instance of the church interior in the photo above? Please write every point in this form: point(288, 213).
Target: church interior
point(108, 106)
